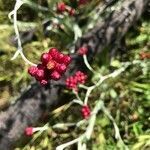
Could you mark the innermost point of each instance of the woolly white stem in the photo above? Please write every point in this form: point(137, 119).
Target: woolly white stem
point(87, 64)
point(117, 132)
point(103, 78)
point(77, 95)
point(89, 90)
point(90, 128)
point(40, 128)
point(77, 102)
point(61, 147)
point(18, 4)
point(83, 86)
point(64, 125)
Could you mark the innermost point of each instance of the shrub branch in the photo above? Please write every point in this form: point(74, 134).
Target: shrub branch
point(35, 101)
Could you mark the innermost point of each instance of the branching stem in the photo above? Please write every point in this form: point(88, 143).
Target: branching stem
point(18, 4)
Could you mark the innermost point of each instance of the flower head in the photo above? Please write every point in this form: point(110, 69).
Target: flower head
point(71, 11)
point(86, 112)
point(82, 51)
point(73, 81)
point(29, 131)
point(53, 66)
point(61, 7)
point(81, 77)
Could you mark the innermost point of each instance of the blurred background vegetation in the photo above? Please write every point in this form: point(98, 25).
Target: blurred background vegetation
point(127, 97)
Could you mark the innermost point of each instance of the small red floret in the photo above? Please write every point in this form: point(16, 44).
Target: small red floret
point(61, 68)
point(55, 75)
point(67, 60)
point(45, 58)
point(61, 7)
point(71, 12)
point(82, 51)
point(43, 82)
point(54, 53)
point(32, 70)
point(29, 131)
point(51, 64)
point(86, 112)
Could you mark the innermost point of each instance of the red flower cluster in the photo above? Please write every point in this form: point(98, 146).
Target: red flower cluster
point(82, 51)
point(71, 11)
point(86, 112)
point(54, 64)
point(62, 7)
point(29, 131)
point(144, 55)
point(73, 81)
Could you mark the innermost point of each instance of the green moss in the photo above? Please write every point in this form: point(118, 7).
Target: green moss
point(128, 104)
point(6, 5)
